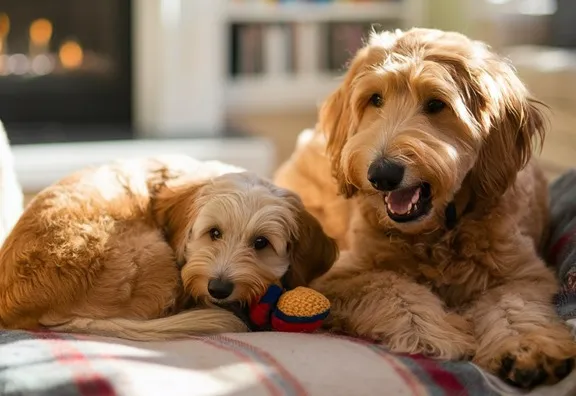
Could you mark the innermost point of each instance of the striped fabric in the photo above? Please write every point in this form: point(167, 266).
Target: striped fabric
point(247, 364)
point(562, 246)
point(250, 364)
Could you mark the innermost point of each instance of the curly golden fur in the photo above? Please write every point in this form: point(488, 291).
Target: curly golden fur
point(319, 192)
point(464, 279)
point(128, 248)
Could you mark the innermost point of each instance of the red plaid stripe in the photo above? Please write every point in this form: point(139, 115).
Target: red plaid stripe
point(284, 384)
point(420, 373)
point(558, 246)
point(88, 380)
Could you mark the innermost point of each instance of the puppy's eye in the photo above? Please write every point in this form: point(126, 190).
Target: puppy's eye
point(434, 106)
point(260, 243)
point(376, 100)
point(215, 234)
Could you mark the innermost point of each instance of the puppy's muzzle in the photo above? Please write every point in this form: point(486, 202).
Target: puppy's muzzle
point(220, 288)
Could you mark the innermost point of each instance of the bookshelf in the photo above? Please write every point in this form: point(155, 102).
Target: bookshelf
point(198, 62)
point(287, 54)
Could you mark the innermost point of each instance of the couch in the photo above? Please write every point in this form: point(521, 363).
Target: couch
point(45, 363)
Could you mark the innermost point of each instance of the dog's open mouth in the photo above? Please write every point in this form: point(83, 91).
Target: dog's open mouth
point(408, 204)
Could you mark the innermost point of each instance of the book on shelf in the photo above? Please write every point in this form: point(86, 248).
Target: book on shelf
point(258, 49)
point(278, 49)
point(246, 49)
point(275, 48)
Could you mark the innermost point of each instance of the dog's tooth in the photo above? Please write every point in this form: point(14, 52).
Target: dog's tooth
point(416, 196)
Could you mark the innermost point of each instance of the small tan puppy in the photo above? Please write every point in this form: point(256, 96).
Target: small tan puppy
point(430, 138)
point(119, 249)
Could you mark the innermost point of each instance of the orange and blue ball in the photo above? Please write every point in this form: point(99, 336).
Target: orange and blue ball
point(300, 310)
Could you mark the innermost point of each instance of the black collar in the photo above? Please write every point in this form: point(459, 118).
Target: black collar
point(451, 212)
point(451, 215)
point(463, 200)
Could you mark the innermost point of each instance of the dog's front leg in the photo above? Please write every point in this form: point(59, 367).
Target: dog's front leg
point(386, 307)
point(520, 336)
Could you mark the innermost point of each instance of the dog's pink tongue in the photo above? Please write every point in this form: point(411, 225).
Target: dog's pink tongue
point(400, 201)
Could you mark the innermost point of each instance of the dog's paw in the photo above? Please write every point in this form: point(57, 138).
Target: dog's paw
point(534, 360)
point(534, 371)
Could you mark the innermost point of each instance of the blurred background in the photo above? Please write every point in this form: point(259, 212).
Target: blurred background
point(85, 81)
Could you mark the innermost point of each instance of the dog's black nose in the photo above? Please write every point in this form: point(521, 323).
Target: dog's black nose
point(220, 289)
point(385, 175)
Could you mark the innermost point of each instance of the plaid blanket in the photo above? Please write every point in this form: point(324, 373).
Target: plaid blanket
point(562, 245)
point(44, 363)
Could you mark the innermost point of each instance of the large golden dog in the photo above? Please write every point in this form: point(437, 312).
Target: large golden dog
point(126, 248)
point(430, 138)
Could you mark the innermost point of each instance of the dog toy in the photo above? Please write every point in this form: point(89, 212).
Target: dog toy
point(300, 310)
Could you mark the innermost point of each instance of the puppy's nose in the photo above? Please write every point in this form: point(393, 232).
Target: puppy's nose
point(220, 289)
point(385, 175)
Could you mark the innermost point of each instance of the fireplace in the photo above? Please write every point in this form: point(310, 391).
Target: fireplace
point(65, 70)
point(98, 80)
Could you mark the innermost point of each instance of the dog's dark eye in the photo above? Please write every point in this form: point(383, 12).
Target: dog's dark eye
point(434, 106)
point(376, 100)
point(260, 243)
point(215, 234)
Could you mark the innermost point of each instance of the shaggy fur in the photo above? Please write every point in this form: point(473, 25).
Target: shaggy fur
point(119, 249)
point(469, 285)
point(319, 192)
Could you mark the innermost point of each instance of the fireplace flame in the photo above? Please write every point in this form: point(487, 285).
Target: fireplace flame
point(41, 31)
point(4, 25)
point(4, 30)
point(71, 54)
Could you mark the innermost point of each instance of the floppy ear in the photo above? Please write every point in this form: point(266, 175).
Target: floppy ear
point(174, 208)
point(338, 121)
point(514, 125)
point(312, 252)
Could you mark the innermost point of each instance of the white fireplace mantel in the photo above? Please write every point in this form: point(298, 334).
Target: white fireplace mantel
point(179, 61)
